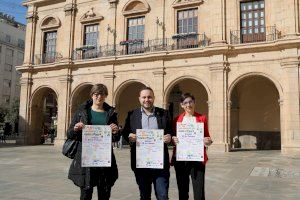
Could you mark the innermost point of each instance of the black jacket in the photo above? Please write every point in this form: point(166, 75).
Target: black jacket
point(81, 176)
point(134, 121)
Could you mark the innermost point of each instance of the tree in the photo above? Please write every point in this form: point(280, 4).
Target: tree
point(9, 114)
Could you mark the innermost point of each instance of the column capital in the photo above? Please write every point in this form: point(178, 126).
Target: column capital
point(229, 104)
point(70, 9)
point(280, 101)
point(290, 62)
point(66, 79)
point(26, 81)
point(159, 73)
point(109, 76)
point(113, 3)
point(32, 17)
point(219, 66)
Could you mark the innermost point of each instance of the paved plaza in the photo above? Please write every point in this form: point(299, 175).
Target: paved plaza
point(40, 173)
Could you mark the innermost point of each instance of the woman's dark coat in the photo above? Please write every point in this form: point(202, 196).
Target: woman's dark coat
point(81, 176)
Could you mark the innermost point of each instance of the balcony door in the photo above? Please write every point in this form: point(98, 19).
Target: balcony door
point(253, 21)
point(49, 54)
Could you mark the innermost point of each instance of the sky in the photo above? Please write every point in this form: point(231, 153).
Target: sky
point(14, 8)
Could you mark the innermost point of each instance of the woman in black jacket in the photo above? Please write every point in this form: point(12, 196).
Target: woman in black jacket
point(93, 112)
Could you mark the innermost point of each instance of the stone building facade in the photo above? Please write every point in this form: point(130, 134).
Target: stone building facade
point(240, 59)
point(12, 44)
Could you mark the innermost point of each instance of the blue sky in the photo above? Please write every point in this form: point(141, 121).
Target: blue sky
point(14, 8)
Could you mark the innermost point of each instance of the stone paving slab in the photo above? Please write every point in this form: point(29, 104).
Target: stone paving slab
point(40, 173)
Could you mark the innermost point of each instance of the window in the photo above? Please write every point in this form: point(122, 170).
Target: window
point(187, 28)
point(91, 33)
point(49, 47)
point(135, 35)
point(8, 38)
point(253, 21)
point(9, 53)
point(6, 83)
point(187, 21)
point(20, 58)
point(21, 43)
point(6, 86)
point(8, 67)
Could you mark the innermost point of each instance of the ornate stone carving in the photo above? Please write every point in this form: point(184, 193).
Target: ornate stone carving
point(136, 7)
point(186, 3)
point(50, 22)
point(90, 16)
point(70, 9)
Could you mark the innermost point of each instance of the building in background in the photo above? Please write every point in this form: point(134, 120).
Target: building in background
point(12, 44)
point(240, 58)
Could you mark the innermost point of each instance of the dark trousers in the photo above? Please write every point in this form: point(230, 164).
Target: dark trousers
point(103, 192)
point(183, 172)
point(160, 180)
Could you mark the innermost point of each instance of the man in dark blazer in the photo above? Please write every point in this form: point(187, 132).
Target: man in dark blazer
point(149, 117)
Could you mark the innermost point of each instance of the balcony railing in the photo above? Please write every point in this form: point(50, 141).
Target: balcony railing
point(140, 47)
point(252, 35)
point(49, 57)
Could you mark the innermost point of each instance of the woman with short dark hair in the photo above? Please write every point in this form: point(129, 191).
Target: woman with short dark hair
point(195, 169)
point(93, 112)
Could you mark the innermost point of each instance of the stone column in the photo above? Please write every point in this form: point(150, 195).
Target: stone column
point(112, 23)
point(158, 87)
point(63, 109)
point(109, 82)
point(68, 30)
point(26, 85)
point(291, 112)
point(290, 18)
point(218, 34)
point(32, 18)
point(218, 109)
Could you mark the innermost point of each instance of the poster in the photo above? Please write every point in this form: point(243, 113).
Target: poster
point(150, 148)
point(96, 146)
point(190, 145)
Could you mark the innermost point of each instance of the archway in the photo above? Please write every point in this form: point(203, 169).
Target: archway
point(183, 86)
point(255, 114)
point(43, 116)
point(79, 96)
point(127, 99)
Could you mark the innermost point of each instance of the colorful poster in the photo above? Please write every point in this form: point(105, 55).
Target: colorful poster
point(190, 145)
point(96, 146)
point(150, 148)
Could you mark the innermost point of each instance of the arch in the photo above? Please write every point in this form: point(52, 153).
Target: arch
point(49, 22)
point(43, 111)
point(38, 91)
point(135, 7)
point(254, 112)
point(78, 96)
point(246, 75)
point(181, 78)
point(126, 98)
point(77, 89)
point(123, 85)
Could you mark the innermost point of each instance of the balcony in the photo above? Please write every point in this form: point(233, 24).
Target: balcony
point(45, 58)
point(131, 47)
point(253, 35)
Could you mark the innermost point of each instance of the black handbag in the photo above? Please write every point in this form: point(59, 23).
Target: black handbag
point(70, 148)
